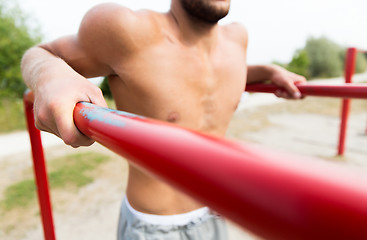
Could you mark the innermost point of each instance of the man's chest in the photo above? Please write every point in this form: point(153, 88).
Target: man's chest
point(172, 69)
point(201, 91)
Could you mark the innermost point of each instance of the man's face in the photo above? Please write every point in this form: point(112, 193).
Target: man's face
point(207, 10)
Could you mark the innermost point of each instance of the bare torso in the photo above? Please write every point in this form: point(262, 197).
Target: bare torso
point(181, 67)
point(163, 66)
point(172, 81)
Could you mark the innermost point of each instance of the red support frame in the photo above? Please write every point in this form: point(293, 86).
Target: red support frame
point(358, 91)
point(346, 91)
point(39, 168)
point(274, 195)
point(350, 64)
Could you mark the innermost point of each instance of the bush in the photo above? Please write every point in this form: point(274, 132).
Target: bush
point(326, 58)
point(361, 63)
point(15, 38)
point(322, 58)
point(106, 88)
point(300, 63)
point(11, 115)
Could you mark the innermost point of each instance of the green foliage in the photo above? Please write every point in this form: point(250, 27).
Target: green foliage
point(283, 65)
point(69, 171)
point(326, 57)
point(15, 38)
point(11, 114)
point(361, 63)
point(322, 58)
point(300, 63)
point(106, 88)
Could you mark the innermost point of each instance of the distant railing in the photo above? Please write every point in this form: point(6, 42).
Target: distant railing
point(350, 64)
point(358, 91)
point(274, 195)
point(346, 92)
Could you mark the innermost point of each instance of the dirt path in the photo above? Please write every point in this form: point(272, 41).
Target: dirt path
point(88, 214)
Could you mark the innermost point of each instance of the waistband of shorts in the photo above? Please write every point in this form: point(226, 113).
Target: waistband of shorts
point(176, 219)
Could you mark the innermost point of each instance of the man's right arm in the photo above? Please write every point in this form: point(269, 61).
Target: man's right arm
point(56, 72)
point(57, 88)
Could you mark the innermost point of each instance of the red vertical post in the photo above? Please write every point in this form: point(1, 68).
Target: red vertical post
point(365, 53)
point(350, 63)
point(39, 167)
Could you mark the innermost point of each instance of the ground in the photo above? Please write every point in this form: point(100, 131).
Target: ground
point(308, 127)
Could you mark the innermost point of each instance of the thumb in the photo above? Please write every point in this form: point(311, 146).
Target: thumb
point(97, 98)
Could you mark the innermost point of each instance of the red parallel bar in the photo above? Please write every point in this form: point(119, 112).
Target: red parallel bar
point(274, 195)
point(350, 64)
point(340, 91)
point(39, 167)
point(343, 125)
point(365, 52)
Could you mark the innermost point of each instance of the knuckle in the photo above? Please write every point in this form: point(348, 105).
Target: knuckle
point(53, 107)
point(94, 89)
point(75, 141)
point(38, 124)
point(84, 143)
point(87, 143)
point(40, 119)
point(70, 139)
point(98, 91)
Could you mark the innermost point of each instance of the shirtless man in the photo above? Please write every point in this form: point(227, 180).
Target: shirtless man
point(179, 66)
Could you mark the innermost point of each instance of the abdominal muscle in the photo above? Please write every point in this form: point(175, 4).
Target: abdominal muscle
point(191, 108)
point(150, 195)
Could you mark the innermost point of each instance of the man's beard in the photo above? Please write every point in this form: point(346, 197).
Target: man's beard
point(204, 10)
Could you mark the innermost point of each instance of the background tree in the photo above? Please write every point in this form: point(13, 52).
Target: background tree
point(361, 63)
point(300, 63)
point(106, 88)
point(322, 58)
point(15, 38)
point(326, 57)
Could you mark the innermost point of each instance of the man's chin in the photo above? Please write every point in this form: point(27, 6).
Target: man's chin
point(210, 12)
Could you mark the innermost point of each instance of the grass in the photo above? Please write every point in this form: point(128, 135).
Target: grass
point(19, 194)
point(69, 172)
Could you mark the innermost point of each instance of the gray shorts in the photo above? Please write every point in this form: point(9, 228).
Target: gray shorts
point(201, 224)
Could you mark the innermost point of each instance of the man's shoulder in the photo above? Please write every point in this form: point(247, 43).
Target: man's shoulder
point(235, 32)
point(112, 15)
point(120, 26)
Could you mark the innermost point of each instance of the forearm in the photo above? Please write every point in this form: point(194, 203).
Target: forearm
point(57, 88)
point(279, 76)
point(40, 66)
point(259, 73)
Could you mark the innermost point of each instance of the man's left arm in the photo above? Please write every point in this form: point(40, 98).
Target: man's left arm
point(279, 76)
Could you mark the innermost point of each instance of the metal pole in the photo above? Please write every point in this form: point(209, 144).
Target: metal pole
point(275, 195)
point(350, 62)
point(340, 91)
point(39, 167)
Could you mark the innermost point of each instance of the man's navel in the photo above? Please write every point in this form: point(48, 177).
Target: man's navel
point(173, 117)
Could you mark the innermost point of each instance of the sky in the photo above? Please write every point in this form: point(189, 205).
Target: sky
point(276, 28)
